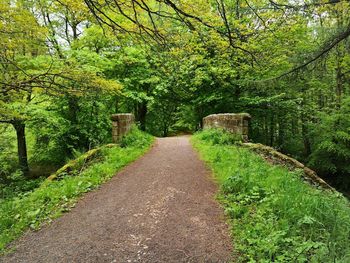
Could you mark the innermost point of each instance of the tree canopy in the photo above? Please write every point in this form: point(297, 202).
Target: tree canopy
point(67, 65)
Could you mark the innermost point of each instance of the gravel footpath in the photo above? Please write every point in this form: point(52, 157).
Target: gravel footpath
point(160, 208)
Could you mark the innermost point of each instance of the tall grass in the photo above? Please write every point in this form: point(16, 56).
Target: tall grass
point(50, 200)
point(275, 216)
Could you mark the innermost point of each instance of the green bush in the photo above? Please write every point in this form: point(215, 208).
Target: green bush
point(8, 154)
point(135, 138)
point(53, 198)
point(331, 154)
point(219, 137)
point(17, 184)
point(275, 216)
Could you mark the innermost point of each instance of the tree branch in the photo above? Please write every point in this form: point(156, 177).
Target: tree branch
point(327, 47)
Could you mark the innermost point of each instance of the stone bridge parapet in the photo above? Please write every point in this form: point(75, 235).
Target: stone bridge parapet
point(236, 123)
point(121, 125)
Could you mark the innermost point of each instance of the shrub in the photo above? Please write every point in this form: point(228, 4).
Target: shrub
point(219, 137)
point(135, 138)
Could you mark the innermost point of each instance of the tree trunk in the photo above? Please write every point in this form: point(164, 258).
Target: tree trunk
point(272, 130)
point(281, 131)
point(165, 128)
point(73, 108)
point(165, 132)
point(339, 88)
point(21, 146)
point(305, 135)
point(74, 139)
point(142, 112)
point(305, 119)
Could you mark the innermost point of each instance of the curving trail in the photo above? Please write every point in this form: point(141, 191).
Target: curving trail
point(161, 208)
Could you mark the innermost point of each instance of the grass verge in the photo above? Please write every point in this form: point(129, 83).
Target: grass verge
point(51, 199)
point(275, 216)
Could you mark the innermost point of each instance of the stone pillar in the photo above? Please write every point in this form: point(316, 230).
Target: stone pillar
point(236, 123)
point(121, 125)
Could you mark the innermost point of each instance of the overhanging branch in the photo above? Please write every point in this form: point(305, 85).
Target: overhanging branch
point(327, 48)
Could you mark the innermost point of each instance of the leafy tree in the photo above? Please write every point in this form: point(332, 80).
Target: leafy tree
point(331, 153)
point(285, 62)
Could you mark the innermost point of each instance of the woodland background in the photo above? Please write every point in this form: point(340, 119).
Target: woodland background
point(67, 65)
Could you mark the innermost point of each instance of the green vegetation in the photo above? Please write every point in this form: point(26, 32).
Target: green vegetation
point(66, 65)
point(275, 216)
point(42, 202)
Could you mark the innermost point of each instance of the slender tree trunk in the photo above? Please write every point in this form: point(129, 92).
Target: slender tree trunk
point(142, 112)
point(199, 116)
point(306, 140)
point(305, 135)
point(75, 140)
point(339, 88)
point(266, 130)
point(73, 108)
point(304, 123)
point(272, 130)
point(165, 131)
point(281, 131)
point(53, 38)
point(19, 126)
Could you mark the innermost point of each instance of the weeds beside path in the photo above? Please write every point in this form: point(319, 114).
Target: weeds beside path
point(275, 216)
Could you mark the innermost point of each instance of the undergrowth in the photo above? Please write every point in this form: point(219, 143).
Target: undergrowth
point(51, 199)
point(275, 216)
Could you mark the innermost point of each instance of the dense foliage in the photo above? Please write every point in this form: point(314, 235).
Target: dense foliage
point(275, 216)
point(31, 204)
point(66, 65)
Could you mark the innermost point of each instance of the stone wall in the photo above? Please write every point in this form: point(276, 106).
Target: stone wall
point(236, 123)
point(275, 157)
point(121, 125)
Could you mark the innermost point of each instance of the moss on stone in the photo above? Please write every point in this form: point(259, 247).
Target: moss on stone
point(277, 157)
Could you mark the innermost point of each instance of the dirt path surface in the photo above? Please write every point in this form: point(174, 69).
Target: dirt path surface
point(161, 208)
